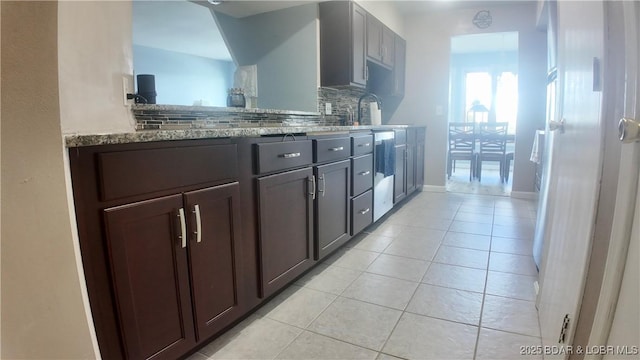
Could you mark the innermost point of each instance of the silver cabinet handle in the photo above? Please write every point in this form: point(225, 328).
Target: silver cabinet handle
point(364, 211)
point(365, 173)
point(312, 180)
point(364, 145)
point(290, 155)
point(196, 210)
point(183, 228)
point(339, 148)
point(324, 185)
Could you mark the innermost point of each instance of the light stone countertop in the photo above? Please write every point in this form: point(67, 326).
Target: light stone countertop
point(189, 134)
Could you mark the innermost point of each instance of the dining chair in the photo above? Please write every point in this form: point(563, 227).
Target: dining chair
point(462, 143)
point(493, 146)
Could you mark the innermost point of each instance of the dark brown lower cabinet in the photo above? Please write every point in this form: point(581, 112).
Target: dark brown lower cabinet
point(214, 257)
point(150, 278)
point(332, 206)
point(410, 169)
point(175, 259)
point(400, 182)
point(286, 227)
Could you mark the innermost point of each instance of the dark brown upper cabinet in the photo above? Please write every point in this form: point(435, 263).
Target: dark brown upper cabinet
point(342, 44)
point(380, 42)
point(399, 68)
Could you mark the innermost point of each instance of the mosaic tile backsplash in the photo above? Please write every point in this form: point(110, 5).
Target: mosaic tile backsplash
point(176, 117)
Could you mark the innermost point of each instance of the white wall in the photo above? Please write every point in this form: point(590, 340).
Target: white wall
point(94, 54)
point(428, 38)
point(43, 312)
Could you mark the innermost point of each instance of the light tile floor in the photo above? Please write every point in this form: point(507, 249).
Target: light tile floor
point(445, 276)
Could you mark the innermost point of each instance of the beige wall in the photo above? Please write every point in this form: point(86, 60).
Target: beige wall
point(94, 54)
point(42, 306)
point(427, 83)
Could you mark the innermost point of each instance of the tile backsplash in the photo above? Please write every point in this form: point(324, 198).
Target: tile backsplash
point(344, 103)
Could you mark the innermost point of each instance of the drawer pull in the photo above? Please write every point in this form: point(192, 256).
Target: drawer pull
point(365, 173)
point(290, 155)
point(364, 145)
point(183, 228)
point(364, 211)
point(339, 148)
point(196, 210)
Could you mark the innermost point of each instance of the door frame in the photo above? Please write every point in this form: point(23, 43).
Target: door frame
point(627, 176)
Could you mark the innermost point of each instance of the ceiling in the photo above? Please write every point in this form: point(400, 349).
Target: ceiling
point(189, 27)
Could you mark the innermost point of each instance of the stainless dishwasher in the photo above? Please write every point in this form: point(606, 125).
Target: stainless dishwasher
point(383, 185)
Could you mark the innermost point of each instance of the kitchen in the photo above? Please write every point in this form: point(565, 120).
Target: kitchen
point(73, 83)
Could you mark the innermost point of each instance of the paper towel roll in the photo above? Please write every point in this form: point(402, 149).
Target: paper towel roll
point(375, 114)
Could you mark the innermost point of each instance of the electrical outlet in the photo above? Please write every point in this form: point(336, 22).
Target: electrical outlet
point(327, 108)
point(125, 90)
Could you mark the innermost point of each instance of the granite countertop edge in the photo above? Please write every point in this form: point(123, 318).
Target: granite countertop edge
point(73, 140)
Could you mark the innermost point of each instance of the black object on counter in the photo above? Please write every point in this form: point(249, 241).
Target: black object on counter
point(236, 98)
point(146, 89)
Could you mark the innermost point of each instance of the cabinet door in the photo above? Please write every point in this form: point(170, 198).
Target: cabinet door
point(399, 67)
point(411, 169)
point(332, 206)
point(214, 256)
point(359, 38)
point(388, 46)
point(286, 227)
point(374, 38)
point(150, 278)
point(400, 183)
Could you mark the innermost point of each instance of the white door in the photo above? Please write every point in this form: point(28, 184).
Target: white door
point(576, 167)
point(571, 227)
point(617, 317)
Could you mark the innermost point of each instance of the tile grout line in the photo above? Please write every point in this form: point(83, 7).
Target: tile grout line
point(484, 293)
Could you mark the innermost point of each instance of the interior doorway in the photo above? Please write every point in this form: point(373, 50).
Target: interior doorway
point(483, 99)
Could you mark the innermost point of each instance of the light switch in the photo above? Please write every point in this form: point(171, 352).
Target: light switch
point(327, 108)
point(439, 110)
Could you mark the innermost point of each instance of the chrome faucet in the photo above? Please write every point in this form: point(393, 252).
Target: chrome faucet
point(368, 94)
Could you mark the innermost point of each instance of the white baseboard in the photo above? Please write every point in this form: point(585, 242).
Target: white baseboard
point(524, 195)
point(434, 188)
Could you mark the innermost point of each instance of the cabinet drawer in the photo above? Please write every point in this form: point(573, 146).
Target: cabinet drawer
point(136, 172)
point(282, 155)
point(331, 149)
point(401, 136)
point(362, 177)
point(361, 212)
point(361, 145)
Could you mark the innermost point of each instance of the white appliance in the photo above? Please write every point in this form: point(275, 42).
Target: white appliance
point(382, 186)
